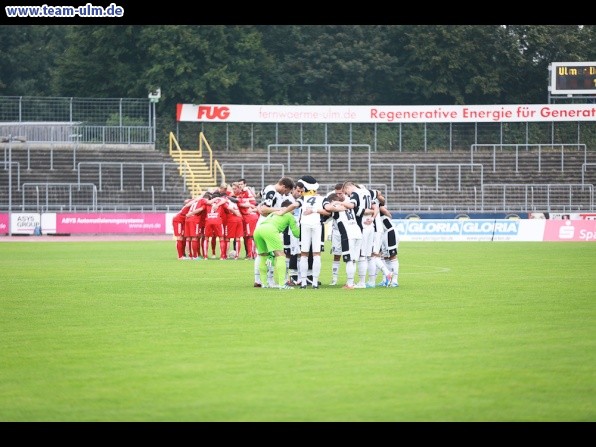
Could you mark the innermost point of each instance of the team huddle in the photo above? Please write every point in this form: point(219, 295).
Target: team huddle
point(228, 215)
point(284, 232)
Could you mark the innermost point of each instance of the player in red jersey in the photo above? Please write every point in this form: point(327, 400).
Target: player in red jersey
point(248, 193)
point(214, 224)
point(202, 217)
point(234, 228)
point(178, 223)
point(248, 190)
point(193, 228)
point(247, 204)
point(225, 189)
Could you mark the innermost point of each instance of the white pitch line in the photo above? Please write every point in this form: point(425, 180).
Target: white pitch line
point(436, 269)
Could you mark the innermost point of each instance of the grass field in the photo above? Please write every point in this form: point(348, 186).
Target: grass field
point(123, 331)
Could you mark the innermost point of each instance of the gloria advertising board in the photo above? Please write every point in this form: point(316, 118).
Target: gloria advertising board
point(469, 230)
point(563, 230)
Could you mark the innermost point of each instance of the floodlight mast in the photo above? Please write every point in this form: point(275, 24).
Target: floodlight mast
point(10, 139)
point(154, 99)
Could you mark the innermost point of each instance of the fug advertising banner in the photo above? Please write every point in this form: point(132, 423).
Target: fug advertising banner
point(234, 113)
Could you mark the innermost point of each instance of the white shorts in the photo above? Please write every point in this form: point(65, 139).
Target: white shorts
point(294, 244)
point(378, 237)
point(390, 245)
point(354, 249)
point(335, 243)
point(310, 237)
point(368, 233)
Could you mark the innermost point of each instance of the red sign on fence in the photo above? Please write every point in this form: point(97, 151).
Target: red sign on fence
point(111, 223)
point(570, 230)
point(3, 223)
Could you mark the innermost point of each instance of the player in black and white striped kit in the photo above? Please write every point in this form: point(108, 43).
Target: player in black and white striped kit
point(389, 245)
point(360, 202)
point(350, 233)
point(375, 262)
point(335, 236)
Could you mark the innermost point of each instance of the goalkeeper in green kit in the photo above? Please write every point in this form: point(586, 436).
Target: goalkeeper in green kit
point(268, 240)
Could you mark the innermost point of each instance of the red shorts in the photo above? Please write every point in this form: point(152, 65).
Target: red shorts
point(250, 223)
point(178, 224)
point(192, 227)
point(214, 229)
point(235, 229)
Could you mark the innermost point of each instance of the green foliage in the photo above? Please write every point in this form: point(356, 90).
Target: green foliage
point(291, 64)
point(28, 58)
point(115, 119)
point(123, 331)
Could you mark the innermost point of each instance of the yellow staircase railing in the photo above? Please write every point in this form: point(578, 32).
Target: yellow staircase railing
point(200, 174)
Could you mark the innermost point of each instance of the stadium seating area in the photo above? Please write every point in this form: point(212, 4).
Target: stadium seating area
point(140, 178)
point(486, 180)
point(90, 179)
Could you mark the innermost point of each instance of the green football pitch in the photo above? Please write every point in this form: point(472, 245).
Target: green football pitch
point(124, 331)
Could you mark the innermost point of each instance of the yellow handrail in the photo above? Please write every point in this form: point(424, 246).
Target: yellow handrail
point(202, 140)
point(213, 165)
point(192, 178)
point(173, 141)
point(218, 168)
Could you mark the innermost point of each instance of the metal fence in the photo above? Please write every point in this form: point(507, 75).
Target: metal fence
point(133, 121)
point(60, 195)
point(397, 137)
point(536, 149)
point(78, 120)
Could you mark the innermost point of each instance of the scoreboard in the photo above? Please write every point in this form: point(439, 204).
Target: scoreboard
point(569, 78)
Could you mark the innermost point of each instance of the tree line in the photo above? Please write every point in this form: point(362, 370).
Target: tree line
point(290, 64)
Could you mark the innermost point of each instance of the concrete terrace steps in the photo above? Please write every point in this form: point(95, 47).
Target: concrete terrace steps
point(443, 191)
point(133, 185)
point(505, 169)
point(403, 194)
point(40, 167)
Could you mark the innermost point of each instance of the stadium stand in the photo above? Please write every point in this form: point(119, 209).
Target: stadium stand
point(108, 178)
point(557, 179)
point(486, 178)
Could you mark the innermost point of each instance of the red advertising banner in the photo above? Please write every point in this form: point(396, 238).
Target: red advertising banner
point(111, 223)
point(241, 113)
point(3, 223)
point(570, 230)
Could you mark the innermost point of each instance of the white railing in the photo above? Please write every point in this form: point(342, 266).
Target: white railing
point(438, 167)
point(585, 168)
point(578, 147)
point(326, 147)
point(548, 197)
point(65, 195)
point(259, 166)
point(121, 165)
